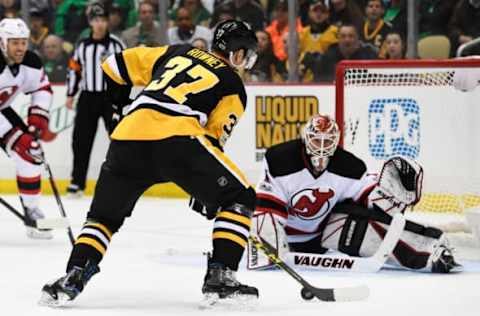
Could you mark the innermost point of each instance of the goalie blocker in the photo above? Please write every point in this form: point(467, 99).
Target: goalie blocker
point(356, 232)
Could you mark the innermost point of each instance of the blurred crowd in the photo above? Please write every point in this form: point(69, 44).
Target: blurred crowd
point(328, 30)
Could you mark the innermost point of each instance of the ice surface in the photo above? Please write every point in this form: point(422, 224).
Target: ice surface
point(155, 266)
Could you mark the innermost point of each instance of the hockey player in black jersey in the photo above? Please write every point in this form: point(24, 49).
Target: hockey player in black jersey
point(313, 196)
point(174, 132)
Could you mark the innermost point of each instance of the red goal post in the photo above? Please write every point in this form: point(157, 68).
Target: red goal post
point(410, 107)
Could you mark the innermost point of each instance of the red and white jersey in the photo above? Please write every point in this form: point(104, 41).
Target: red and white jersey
point(301, 200)
point(28, 78)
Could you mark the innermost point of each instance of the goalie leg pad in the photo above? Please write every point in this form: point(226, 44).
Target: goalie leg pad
point(357, 231)
point(266, 228)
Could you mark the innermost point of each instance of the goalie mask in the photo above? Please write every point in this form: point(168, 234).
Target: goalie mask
point(320, 136)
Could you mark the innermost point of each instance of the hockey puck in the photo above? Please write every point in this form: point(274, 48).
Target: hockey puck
point(306, 294)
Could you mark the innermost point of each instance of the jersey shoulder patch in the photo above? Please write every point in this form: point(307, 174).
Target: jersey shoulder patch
point(346, 164)
point(32, 60)
point(286, 158)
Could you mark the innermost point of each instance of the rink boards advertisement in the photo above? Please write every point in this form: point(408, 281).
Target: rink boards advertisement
point(437, 128)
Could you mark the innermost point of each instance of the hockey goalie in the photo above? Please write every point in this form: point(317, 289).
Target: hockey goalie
point(317, 199)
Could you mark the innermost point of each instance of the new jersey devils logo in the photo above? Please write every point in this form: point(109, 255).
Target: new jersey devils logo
point(310, 204)
point(6, 93)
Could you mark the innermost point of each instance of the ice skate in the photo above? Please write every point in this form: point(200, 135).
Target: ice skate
point(442, 260)
point(74, 191)
point(32, 214)
point(64, 290)
point(221, 289)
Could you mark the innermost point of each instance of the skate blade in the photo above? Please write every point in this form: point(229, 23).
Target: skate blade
point(48, 301)
point(34, 233)
point(51, 223)
point(231, 303)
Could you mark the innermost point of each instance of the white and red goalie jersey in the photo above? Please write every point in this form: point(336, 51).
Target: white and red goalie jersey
point(29, 78)
point(299, 199)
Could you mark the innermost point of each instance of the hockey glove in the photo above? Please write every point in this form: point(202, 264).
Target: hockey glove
point(24, 145)
point(37, 121)
point(208, 212)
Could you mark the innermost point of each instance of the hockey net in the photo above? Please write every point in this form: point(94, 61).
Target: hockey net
point(410, 108)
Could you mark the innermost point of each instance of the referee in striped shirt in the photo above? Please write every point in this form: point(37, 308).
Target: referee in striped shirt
point(85, 74)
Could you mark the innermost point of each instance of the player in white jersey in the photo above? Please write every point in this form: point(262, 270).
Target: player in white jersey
point(321, 197)
point(22, 71)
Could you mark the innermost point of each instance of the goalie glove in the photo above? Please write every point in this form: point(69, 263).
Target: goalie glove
point(399, 185)
point(209, 212)
point(402, 178)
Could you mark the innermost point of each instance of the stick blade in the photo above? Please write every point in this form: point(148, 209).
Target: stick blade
point(348, 294)
point(52, 223)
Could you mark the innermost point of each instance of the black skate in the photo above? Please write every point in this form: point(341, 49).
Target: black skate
point(220, 287)
point(442, 260)
point(67, 288)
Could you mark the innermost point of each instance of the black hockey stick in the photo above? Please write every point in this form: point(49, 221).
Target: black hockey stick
point(57, 195)
point(309, 291)
point(12, 209)
point(41, 223)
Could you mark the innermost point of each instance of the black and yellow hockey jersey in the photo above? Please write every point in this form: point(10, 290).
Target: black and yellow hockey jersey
point(187, 92)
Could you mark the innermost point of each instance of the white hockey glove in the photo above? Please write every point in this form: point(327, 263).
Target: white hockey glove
point(399, 185)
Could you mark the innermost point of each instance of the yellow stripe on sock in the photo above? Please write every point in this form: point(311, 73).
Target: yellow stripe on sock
point(235, 217)
point(91, 242)
point(230, 236)
point(102, 227)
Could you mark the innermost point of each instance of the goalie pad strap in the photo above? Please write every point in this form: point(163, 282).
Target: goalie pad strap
point(353, 234)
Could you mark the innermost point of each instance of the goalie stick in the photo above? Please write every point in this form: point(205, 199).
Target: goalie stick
point(43, 223)
point(371, 264)
point(309, 291)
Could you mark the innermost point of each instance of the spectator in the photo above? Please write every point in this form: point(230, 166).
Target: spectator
point(315, 39)
point(48, 9)
point(278, 28)
point(70, 21)
point(394, 46)
point(116, 23)
point(128, 11)
point(465, 23)
point(268, 68)
point(375, 28)
point(245, 10)
point(349, 47)
point(38, 29)
point(185, 31)
point(433, 14)
point(200, 15)
point(146, 33)
point(319, 34)
point(9, 8)
point(396, 15)
point(200, 43)
point(55, 60)
point(346, 12)
point(221, 13)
